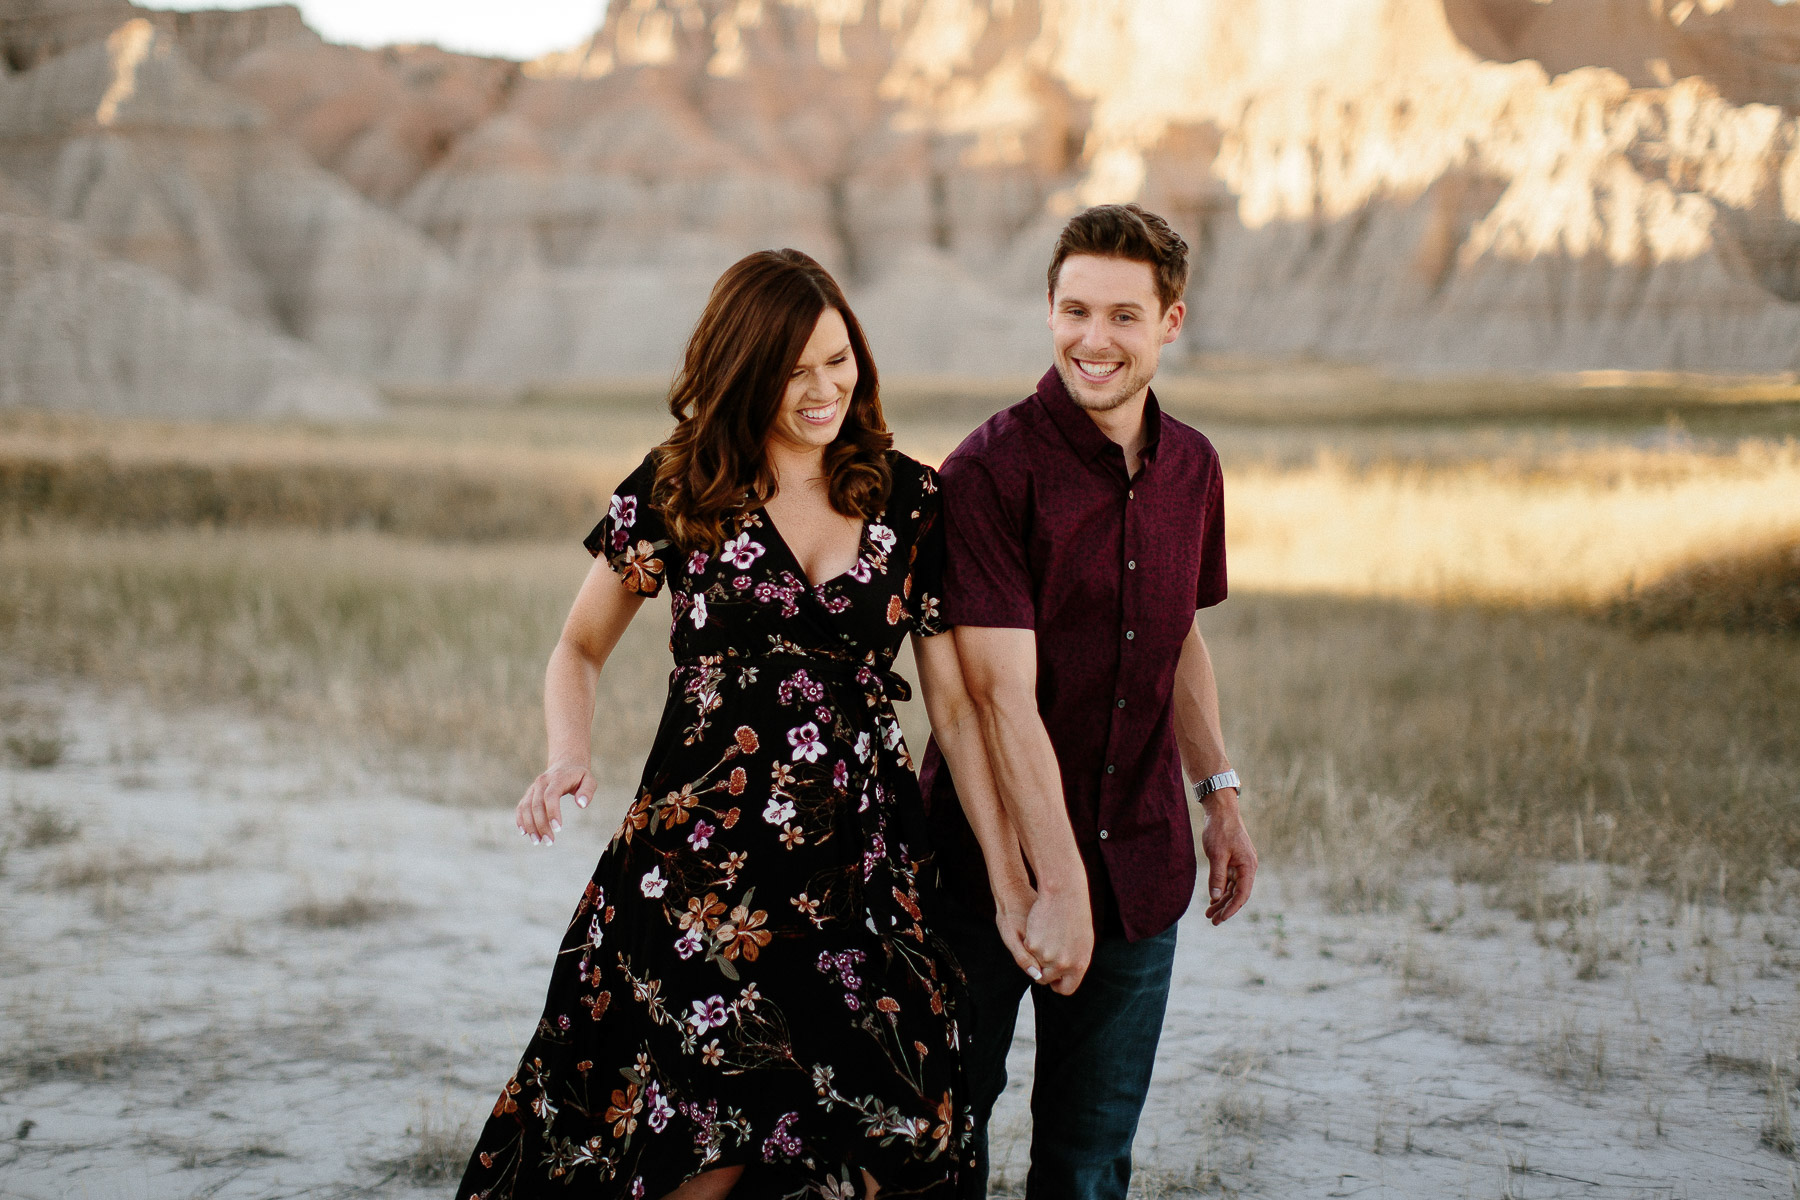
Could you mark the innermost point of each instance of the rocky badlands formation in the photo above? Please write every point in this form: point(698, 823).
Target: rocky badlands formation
point(221, 212)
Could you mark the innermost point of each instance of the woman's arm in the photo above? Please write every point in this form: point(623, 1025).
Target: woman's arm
point(957, 727)
point(602, 610)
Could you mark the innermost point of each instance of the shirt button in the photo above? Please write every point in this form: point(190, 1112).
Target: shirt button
point(1132, 494)
point(1121, 702)
point(1130, 634)
point(1103, 835)
point(1109, 768)
point(1131, 564)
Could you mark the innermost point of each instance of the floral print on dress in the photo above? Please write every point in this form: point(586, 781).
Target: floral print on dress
point(750, 978)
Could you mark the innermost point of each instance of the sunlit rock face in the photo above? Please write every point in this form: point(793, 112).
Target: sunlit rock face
point(1379, 190)
point(1422, 184)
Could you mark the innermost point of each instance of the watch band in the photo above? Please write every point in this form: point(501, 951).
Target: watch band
point(1211, 784)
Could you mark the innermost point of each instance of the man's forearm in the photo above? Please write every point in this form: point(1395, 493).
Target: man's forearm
point(1000, 668)
point(1030, 787)
point(1199, 734)
point(1230, 856)
point(994, 832)
point(957, 728)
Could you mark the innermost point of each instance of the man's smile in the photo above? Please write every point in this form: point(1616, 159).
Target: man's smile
point(1098, 372)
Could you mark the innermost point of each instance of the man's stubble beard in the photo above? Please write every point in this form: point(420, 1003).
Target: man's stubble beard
point(1132, 385)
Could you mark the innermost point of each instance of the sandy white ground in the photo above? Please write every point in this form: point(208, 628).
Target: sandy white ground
point(172, 1025)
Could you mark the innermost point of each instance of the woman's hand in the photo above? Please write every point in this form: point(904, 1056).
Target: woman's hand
point(540, 811)
point(1012, 907)
point(602, 610)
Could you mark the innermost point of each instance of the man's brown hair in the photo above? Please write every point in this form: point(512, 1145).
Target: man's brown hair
point(1126, 231)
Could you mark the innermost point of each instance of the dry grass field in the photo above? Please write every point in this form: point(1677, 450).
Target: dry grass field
point(1500, 643)
point(1514, 679)
point(1494, 731)
point(1583, 528)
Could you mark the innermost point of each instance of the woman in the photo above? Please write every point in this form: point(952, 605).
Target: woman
point(749, 989)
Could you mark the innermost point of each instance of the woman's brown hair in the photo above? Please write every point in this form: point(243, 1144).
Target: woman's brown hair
point(730, 387)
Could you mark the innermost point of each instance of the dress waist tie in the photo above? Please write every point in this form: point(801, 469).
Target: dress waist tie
point(888, 687)
point(890, 890)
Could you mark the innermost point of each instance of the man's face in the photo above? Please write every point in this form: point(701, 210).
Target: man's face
point(1108, 328)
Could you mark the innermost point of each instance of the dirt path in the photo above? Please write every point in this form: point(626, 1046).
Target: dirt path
point(234, 966)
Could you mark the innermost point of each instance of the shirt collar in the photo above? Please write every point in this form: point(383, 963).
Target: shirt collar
point(1079, 428)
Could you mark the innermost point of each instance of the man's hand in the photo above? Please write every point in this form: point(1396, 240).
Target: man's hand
point(1229, 855)
point(1059, 934)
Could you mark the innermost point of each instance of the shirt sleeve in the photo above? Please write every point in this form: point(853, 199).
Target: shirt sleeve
point(1211, 586)
point(632, 536)
point(925, 581)
point(987, 579)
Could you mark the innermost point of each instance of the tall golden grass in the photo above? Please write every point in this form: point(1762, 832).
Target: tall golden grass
point(1750, 590)
point(1373, 729)
point(1410, 660)
point(459, 475)
point(1583, 528)
point(380, 642)
point(1621, 528)
point(1366, 728)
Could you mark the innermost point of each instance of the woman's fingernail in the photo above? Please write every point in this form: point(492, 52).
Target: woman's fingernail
point(1216, 893)
point(581, 801)
point(555, 826)
point(1034, 973)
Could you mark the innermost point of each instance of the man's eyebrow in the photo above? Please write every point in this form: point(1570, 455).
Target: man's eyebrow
point(1131, 305)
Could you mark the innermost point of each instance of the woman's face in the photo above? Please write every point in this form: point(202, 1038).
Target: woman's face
point(818, 392)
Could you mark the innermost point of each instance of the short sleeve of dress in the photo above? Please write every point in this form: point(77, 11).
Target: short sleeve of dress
point(632, 536)
point(925, 583)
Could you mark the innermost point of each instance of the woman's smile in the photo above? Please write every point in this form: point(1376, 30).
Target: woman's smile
point(823, 414)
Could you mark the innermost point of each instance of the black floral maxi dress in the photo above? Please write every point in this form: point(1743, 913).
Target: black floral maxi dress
point(747, 979)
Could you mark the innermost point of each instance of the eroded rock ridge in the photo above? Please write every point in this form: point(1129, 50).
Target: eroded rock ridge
point(1424, 184)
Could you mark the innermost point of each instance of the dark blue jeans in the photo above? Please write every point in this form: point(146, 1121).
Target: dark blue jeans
point(1094, 1054)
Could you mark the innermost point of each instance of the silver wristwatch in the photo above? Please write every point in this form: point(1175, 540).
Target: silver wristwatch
point(1211, 784)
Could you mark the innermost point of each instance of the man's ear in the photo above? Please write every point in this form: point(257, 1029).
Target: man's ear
point(1172, 320)
point(1050, 299)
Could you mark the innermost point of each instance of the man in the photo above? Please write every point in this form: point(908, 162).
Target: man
point(1086, 529)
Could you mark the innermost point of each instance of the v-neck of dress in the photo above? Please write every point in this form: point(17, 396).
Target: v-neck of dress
point(862, 538)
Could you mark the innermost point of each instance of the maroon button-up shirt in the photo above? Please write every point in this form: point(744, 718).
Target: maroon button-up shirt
point(1046, 532)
